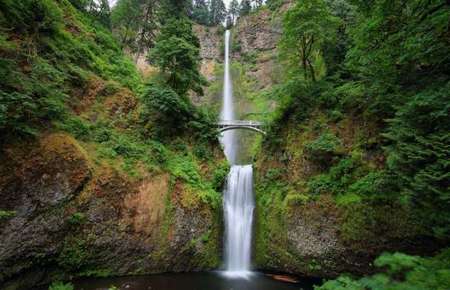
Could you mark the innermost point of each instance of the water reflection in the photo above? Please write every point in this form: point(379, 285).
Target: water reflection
point(192, 281)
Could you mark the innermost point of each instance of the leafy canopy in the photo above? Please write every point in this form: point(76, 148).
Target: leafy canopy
point(176, 53)
point(306, 27)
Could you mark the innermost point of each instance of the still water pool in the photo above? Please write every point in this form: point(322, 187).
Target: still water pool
point(193, 281)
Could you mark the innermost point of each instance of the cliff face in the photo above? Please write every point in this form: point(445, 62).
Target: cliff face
point(302, 227)
point(69, 216)
point(72, 217)
point(211, 53)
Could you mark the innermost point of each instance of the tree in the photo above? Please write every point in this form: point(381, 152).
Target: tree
point(229, 22)
point(136, 22)
point(246, 7)
point(258, 3)
point(80, 4)
point(218, 12)
point(126, 21)
point(400, 57)
point(306, 27)
point(174, 8)
point(234, 10)
point(398, 45)
point(176, 53)
point(103, 13)
point(200, 12)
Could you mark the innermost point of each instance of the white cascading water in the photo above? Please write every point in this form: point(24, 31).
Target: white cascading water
point(238, 212)
point(227, 114)
point(238, 200)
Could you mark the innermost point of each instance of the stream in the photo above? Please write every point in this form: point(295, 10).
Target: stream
point(192, 281)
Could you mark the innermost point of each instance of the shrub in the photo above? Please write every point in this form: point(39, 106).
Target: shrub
point(220, 175)
point(28, 99)
point(60, 286)
point(76, 126)
point(401, 272)
point(73, 255)
point(419, 154)
point(30, 16)
point(77, 218)
point(7, 214)
point(324, 150)
point(163, 106)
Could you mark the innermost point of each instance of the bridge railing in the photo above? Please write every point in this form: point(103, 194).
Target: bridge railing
point(239, 123)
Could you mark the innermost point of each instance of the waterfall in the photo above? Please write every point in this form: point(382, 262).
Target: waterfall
point(227, 114)
point(238, 200)
point(238, 212)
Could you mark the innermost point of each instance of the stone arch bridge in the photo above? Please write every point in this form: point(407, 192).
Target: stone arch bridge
point(240, 124)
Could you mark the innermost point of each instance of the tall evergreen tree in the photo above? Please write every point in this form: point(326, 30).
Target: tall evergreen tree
point(218, 12)
point(136, 23)
point(246, 7)
point(200, 12)
point(104, 13)
point(307, 26)
point(177, 50)
point(234, 10)
point(258, 3)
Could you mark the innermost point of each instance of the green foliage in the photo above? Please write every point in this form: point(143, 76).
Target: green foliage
point(176, 53)
point(135, 23)
point(403, 272)
point(48, 50)
point(7, 214)
point(76, 126)
point(60, 286)
point(296, 199)
point(168, 109)
point(420, 152)
point(387, 67)
point(220, 175)
point(31, 17)
point(77, 218)
point(250, 57)
point(274, 4)
point(27, 99)
point(337, 179)
point(166, 114)
point(73, 255)
point(210, 13)
point(324, 148)
point(296, 102)
point(398, 47)
point(306, 27)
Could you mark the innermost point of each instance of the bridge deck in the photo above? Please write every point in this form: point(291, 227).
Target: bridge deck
point(240, 124)
point(237, 123)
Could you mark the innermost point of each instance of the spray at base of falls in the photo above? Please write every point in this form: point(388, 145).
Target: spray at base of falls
point(238, 201)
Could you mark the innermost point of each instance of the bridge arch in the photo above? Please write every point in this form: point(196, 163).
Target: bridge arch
point(227, 128)
point(240, 124)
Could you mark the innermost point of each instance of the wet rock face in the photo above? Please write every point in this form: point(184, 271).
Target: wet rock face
point(313, 237)
point(46, 176)
point(210, 39)
point(258, 32)
point(255, 41)
point(35, 185)
point(74, 218)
